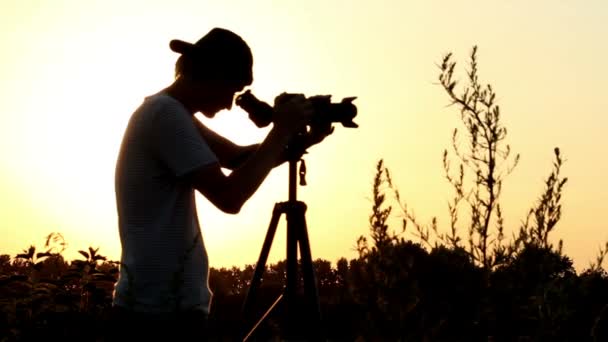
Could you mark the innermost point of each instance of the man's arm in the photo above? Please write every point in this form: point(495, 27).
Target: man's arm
point(230, 155)
point(230, 192)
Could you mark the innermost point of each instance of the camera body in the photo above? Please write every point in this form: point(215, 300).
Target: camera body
point(325, 111)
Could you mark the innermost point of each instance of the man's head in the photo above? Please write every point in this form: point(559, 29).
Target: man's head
point(219, 64)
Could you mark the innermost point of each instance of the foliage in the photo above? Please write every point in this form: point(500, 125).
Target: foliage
point(43, 295)
point(487, 287)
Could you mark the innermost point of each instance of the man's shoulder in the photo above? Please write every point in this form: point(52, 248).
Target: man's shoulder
point(160, 105)
point(163, 100)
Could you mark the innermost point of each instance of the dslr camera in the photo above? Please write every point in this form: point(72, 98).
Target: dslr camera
point(324, 111)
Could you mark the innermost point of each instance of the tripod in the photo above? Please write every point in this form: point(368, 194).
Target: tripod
point(297, 235)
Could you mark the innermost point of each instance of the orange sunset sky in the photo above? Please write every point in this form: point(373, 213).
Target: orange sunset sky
point(74, 70)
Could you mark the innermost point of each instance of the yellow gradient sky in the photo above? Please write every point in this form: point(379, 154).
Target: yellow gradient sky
point(74, 70)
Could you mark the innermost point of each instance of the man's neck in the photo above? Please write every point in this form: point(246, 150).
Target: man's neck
point(181, 93)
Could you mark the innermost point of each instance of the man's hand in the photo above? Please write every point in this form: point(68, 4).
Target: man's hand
point(304, 134)
point(317, 133)
point(292, 112)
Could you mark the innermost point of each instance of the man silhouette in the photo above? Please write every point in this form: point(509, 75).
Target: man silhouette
point(165, 156)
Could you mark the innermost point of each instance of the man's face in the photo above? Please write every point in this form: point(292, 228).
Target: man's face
point(217, 97)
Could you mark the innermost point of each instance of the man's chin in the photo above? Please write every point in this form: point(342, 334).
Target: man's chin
point(209, 114)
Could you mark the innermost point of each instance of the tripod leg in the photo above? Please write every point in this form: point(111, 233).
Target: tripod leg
point(291, 290)
point(261, 264)
point(310, 284)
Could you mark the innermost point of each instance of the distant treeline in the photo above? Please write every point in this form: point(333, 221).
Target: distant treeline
point(397, 292)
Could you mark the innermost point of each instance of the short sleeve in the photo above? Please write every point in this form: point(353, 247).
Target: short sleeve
point(178, 142)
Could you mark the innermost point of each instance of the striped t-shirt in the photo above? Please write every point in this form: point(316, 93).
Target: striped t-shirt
point(164, 264)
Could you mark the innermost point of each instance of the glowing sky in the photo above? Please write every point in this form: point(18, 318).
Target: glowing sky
point(74, 70)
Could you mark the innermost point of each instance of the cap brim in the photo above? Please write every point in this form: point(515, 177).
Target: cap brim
point(181, 46)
